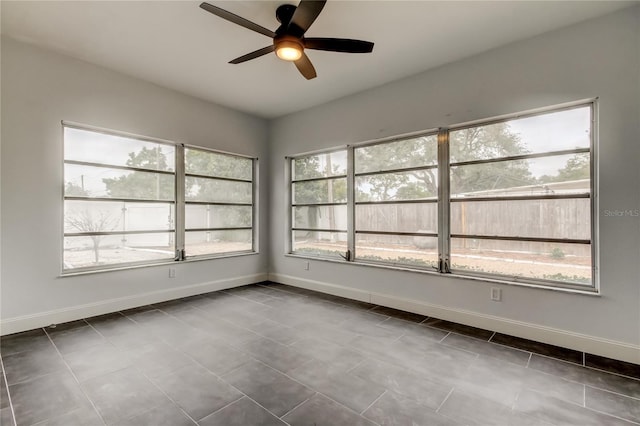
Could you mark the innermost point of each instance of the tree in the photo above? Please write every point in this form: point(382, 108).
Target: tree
point(320, 191)
point(143, 185)
point(484, 142)
point(73, 190)
point(86, 221)
point(577, 167)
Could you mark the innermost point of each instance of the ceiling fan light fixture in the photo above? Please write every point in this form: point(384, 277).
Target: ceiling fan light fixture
point(288, 50)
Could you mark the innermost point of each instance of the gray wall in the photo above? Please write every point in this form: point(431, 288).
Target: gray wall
point(41, 88)
point(598, 58)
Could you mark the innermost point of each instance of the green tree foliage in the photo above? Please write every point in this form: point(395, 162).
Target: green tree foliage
point(576, 168)
point(409, 153)
point(484, 142)
point(318, 191)
point(206, 163)
point(73, 190)
point(143, 185)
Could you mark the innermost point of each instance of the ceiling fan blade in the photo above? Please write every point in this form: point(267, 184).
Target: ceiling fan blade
point(253, 55)
point(305, 14)
point(305, 67)
point(231, 17)
point(338, 45)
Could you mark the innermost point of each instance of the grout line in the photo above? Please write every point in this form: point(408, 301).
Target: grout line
point(529, 360)
point(491, 337)
point(584, 396)
point(6, 384)
point(355, 366)
point(444, 337)
point(75, 378)
point(298, 405)
point(374, 401)
point(445, 399)
point(608, 391)
point(222, 408)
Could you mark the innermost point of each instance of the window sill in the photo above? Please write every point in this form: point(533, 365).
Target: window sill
point(125, 267)
point(591, 291)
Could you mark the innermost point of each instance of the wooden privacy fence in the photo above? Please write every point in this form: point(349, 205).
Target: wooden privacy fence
point(553, 218)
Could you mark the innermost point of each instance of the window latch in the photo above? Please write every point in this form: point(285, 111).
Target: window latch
point(179, 255)
point(346, 256)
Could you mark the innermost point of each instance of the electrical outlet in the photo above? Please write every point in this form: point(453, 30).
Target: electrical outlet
point(172, 272)
point(496, 294)
point(306, 266)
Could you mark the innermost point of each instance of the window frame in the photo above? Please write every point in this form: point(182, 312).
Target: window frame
point(445, 200)
point(178, 203)
point(289, 176)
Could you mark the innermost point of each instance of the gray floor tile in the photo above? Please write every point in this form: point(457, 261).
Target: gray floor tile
point(4, 396)
point(274, 354)
point(243, 412)
point(370, 329)
point(26, 341)
point(484, 348)
point(557, 412)
point(198, 391)
point(396, 313)
point(474, 409)
point(398, 410)
point(466, 330)
point(345, 388)
point(123, 394)
point(77, 338)
point(157, 359)
point(217, 328)
point(614, 404)
point(6, 417)
point(502, 382)
point(538, 348)
point(351, 355)
point(403, 381)
point(443, 363)
point(45, 397)
point(321, 411)
point(328, 332)
point(122, 331)
point(249, 293)
point(216, 356)
point(96, 361)
point(332, 353)
point(276, 331)
point(593, 378)
point(65, 326)
point(268, 387)
point(405, 328)
point(27, 365)
point(164, 415)
point(85, 416)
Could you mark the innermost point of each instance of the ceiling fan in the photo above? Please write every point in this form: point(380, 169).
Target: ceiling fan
point(289, 41)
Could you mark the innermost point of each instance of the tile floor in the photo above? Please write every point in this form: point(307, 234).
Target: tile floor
point(271, 354)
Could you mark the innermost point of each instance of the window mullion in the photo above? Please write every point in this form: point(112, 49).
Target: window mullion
point(351, 208)
point(444, 218)
point(180, 203)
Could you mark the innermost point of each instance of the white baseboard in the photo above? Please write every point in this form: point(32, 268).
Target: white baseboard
point(59, 316)
point(553, 336)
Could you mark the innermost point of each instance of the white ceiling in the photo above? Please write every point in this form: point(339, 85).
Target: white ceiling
point(178, 45)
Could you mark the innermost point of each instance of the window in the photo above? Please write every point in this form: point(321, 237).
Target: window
point(218, 203)
point(319, 204)
point(396, 195)
point(509, 199)
point(121, 207)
